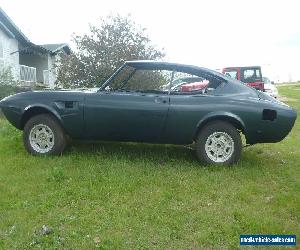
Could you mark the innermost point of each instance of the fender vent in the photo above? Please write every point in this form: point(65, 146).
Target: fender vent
point(269, 115)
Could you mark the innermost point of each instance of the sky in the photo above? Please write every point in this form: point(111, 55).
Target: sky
point(211, 33)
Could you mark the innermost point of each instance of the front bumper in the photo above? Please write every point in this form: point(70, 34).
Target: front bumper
point(12, 114)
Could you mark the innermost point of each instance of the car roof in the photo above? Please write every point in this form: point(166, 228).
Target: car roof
point(242, 67)
point(149, 64)
point(159, 65)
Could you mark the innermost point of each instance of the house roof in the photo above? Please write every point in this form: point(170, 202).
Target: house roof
point(9, 27)
point(54, 48)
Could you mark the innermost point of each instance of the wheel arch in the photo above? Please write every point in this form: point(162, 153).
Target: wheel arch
point(33, 110)
point(231, 118)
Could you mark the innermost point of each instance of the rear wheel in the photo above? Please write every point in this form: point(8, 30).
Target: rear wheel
point(219, 143)
point(43, 135)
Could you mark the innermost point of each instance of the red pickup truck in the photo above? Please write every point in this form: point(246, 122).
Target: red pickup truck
point(250, 75)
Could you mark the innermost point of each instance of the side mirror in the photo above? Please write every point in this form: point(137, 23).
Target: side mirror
point(272, 82)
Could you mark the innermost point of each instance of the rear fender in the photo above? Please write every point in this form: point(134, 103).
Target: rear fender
point(235, 120)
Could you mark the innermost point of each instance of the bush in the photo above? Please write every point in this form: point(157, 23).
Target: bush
point(7, 82)
point(6, 77)
point(9, 86)
point(6, 90)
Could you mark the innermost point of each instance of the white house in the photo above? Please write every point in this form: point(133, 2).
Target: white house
point(30, 63)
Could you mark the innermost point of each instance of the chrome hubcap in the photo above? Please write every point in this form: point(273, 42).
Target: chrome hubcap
point(41, 138)
point(219, 146)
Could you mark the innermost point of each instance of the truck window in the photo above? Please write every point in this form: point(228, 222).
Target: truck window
point(251, 75)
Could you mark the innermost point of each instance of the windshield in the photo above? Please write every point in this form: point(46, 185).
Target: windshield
point(231, 73)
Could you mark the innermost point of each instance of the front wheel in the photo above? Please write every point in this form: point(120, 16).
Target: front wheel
point(43, 135)
point(219, 143)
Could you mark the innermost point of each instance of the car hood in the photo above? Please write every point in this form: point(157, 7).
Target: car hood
point(43, 96)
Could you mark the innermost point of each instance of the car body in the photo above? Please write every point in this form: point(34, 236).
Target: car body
point(128, 107)
point(270, 87)
point(251, 75)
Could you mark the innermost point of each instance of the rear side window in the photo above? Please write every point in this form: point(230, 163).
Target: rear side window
point(187, 83)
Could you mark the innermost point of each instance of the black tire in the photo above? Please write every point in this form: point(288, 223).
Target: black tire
point(44, 124)
point(207, 138)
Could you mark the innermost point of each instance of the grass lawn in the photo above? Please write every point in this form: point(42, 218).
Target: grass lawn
point(125, 195)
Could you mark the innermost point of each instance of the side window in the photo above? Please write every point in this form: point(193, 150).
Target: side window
point(162, 81)
point(149, 81)
point(249, 73)
point(187, 83)
point(258, 73)
point(121, 78)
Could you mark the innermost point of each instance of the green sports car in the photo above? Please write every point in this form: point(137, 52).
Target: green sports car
point(138, 103)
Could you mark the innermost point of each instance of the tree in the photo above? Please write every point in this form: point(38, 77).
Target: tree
point(99, 53)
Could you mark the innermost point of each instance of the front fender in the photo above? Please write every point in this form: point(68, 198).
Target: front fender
point(71, 119)
point(43, 106)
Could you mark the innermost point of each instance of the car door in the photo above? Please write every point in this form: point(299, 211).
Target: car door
point(126, 115)
point(188, 106)
point(184, 114)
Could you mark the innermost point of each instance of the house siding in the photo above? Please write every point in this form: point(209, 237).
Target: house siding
point(52, 71)
point(10, 45)
point(17, 52)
